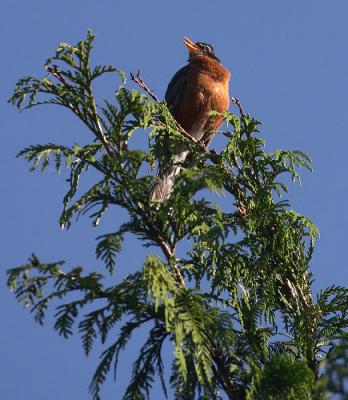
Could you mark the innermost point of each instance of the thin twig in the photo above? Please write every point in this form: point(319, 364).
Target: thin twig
point(238, 104)
point(139, 81)
point(169, 253)
point(99, 132)
point(54, 70)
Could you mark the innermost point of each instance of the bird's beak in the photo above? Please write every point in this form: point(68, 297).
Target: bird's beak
point(192, 47)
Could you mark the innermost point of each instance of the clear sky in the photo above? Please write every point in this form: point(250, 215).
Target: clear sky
point(289, 64)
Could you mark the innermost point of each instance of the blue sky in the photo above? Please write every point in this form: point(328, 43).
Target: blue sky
point(289, 65)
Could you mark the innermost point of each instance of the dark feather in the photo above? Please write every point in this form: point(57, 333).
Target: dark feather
point(176, 89)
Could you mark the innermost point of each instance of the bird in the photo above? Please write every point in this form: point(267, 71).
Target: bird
point(195, 90)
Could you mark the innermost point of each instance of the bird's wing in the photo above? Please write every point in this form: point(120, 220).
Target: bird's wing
point(167, 171)
point(176, 89)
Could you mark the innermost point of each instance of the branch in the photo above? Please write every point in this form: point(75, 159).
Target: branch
point(54, 70)
point(169, 253)
point(139, 81)
point(238, 104)
point(221, 372)
point(99, 132)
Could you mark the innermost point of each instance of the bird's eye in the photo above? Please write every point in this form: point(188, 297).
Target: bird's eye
point(208, 48)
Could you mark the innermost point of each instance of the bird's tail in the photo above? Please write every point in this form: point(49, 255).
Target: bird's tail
point(164, 187)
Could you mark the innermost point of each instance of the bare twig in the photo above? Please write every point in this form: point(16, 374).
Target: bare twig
point(178, 277)
point(139, 81)
point(238, 104)
point(169, 253)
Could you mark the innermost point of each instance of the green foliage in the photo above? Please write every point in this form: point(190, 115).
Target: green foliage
point(285, 378)
point(107, 248)
point(236, 305)
point(334, 381)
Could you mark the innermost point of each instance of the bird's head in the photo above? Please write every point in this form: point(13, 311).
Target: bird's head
point(200, 49)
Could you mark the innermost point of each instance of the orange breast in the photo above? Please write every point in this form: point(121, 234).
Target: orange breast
point(206, 90)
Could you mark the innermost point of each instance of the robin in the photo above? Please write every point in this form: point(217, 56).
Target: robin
point(195, 90)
